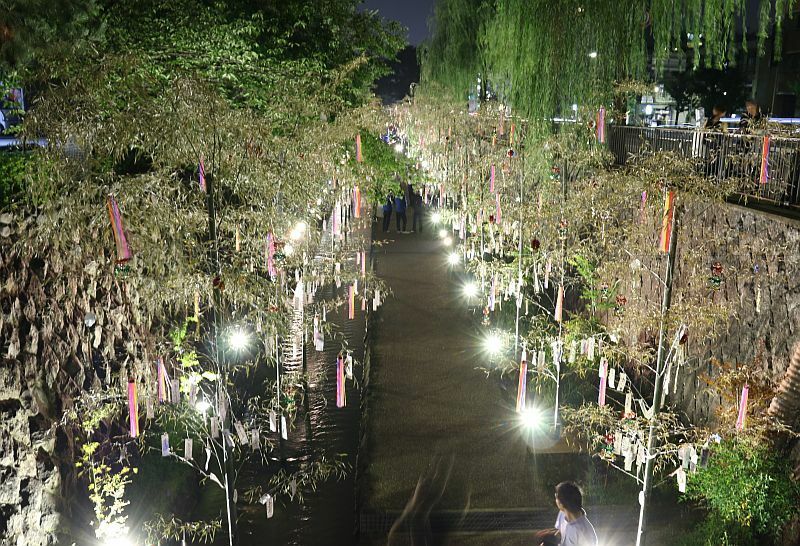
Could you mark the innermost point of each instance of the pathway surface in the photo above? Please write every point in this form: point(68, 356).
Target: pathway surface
point(434, 418)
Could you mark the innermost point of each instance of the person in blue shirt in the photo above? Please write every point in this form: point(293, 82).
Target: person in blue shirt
point(387, 211)
point(400, 212)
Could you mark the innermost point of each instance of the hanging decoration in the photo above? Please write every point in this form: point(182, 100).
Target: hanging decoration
point(643, 207)
point(666, 222)
point(523, 381)
point(201, 175)
point(601, 125)
point(161, 377)
point(740, 420)
point(133, 409)
point(601, 399)
point(270, 252)
point(356, 202)
point(123, 250)
point(165, 445)
point(559, 311)
point(340, 378)
point(351, 299)
point(359, 158)
point(764, 178)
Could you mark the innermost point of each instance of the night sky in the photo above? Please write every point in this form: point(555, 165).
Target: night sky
point(413, 14)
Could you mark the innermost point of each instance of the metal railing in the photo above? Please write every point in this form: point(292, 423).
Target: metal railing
point(724, 156)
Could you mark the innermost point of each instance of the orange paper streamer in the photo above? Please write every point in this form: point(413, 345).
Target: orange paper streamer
point(666, 222)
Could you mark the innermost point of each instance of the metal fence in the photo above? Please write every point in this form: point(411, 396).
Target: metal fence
point(766, 167)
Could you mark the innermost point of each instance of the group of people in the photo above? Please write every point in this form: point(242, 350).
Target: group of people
point(399, 204)
point(752, 119)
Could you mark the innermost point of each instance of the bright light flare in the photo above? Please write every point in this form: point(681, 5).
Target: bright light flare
point(436, 217)
point(593, 54)
point(238, 340)
point(298, 231)
point(493, 343)
point(399, 148)
point(453, 258)
point(288, 249)
point(531, 418)
point(447, 241)
point(471, 289)
point(442, 233)
point(202, 406)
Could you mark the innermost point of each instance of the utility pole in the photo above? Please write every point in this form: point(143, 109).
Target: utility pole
point(661, 358)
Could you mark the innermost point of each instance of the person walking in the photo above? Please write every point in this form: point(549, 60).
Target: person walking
point(753, 118)
point(419, 213)
point(400, 212)
point(387, 211)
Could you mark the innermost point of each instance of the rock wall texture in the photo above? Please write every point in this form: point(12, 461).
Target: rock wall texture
point(760, 259)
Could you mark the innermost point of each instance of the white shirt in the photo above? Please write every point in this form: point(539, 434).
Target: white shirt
point(576, 533)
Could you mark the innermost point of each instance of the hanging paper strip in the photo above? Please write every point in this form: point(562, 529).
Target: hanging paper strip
point(351, 298)
point(270, 251)
point(511, 135)
point(740, 420)
point(491, 178)
point(497, 216)
point(523, 382)
point(559, 312)
point(123, 250)
point(161, 386)
point(363, 263)
point(201, 174)
point(133, 408)
point(642, 208)
point(601, 125)
point(340, 392)
point(601, 399)
point(238, 240)
point(359, 159)
point(765, 160)
point(356, 202)
point(666, 222)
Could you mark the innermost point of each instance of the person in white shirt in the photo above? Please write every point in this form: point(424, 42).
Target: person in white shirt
point(572, 524)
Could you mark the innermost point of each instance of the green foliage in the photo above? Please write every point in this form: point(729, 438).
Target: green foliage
point(536, 54)
point(385, 167)
point(714, 531)
point(746, 484)
point(13, 170)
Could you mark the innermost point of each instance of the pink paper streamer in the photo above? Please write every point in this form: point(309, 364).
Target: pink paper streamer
point(523, 382)
point(123, 250)
point(740, 420)
point(133, 409)
point(201, 174)
point(601, 399)
point(341, 397)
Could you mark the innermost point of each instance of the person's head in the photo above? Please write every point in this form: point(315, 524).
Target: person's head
point(569, 497)
point(718, 111)
point(752, 107)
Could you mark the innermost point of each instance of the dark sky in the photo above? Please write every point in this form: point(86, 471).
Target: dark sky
point(412, 14)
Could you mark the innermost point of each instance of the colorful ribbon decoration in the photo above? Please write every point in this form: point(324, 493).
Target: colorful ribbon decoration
point(363, 263)
point(601, 125)
point(642, 207)
point(359, 158)
point(601, 398)
point(740, 420)
point(765, 160)
point(341, 397)
point(133, 409)
point(123, 250)
point(270, 252)
point(351, 298)
point(523, 381)
point(161, 385)
point(666, 222)
point(491, 178)
point(201, 174)
point(356, 202)
point(559, 311)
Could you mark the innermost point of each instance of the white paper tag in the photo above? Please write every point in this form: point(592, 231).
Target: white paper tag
point(284, 430)
point(681, 475)
point(623, 380)
point(273, 427)
point(187, 449)
point(165, 445)
point(241, 433)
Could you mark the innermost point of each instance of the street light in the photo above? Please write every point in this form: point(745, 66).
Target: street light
point(471, 289)
point(238, 340)
point(493, 343)
point(453, 258)
point(202, 406)
point(447, 241)
point(442, 233)
point(436, 217)
point(531, 418)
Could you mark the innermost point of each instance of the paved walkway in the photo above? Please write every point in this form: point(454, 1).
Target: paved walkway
point(437, 425)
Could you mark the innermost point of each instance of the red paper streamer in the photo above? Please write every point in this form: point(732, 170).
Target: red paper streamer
point(601, 125)
point(123, 250)
point(740, 420)
point(523, 382)
point(666, 222)
point(133, 409)
point(356, 202)
point(765, 160)
point(359, 158)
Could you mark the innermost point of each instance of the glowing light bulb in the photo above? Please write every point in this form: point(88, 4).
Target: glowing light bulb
point(593, 54)
point(436, 217)
point(471, 289)
point(493, 343)
point(531, 418)
point(442, 233)
point(453, 258)
point(238, 340)
point(447, 241)
point(202, 406)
